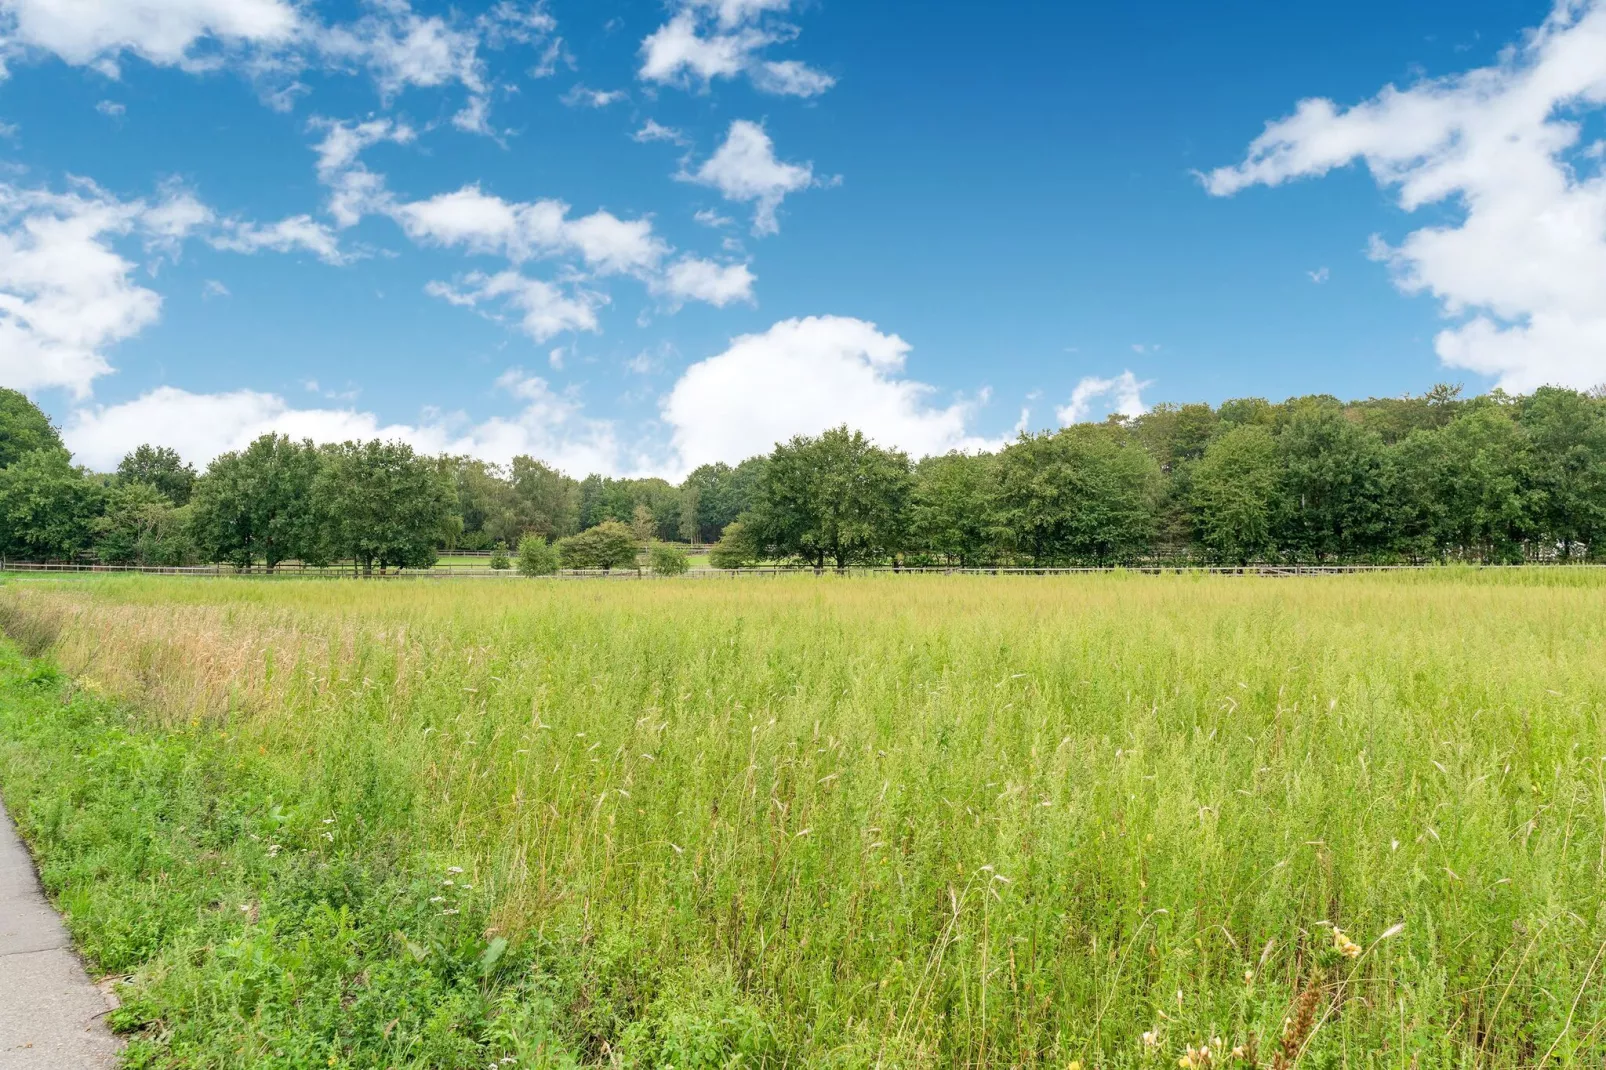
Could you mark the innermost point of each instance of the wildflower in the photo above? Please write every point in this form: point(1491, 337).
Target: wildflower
point(328, 821)
point(1249, 977)
point(1344, 945)
point(1151, 1039)
point(454, 869)
point(448, 913)
point(448, 883)
point(1240, 1052)
point(438, 899)
point(273, 850)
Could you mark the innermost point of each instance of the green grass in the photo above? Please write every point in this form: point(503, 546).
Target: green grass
point(906, 821)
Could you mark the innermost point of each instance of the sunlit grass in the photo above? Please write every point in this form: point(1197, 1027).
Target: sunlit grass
point(928, 821)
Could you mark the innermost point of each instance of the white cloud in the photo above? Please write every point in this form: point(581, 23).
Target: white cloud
point(745, 169)
point(401, 48)
point(67, 292)
point(1319, 276)
point(581, 97)
point(297, 233)
point(1523, 268)
point(704, 41)
point(1122, 394)
point(791, 79)
point(213, 288)
point(693, 279)
point(165, 32)
point(484, 223)
point(803, 376)
point(549, 425)
point(541, 309)
point(355, 191)
point(111, 109)
point(655, 131)
point(710, 218)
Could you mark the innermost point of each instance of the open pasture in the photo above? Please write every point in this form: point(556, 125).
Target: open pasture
point(905, 821)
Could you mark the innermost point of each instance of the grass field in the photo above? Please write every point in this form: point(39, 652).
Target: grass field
point(1096, 821)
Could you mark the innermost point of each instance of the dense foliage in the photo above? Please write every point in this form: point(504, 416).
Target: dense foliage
point(1495, 478)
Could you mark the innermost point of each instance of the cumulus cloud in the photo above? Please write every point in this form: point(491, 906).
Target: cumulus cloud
point(582, 97)
point(803, 376)
point(705, 41)
point(745, 169)
point(1121, 395)
point(68, 289)
point(692, 279)
point(549, 425)
point(540, 309)
point(164, 32)
point(485, 223)
point(1522, 268)
point(272, 40)
point(652, 131)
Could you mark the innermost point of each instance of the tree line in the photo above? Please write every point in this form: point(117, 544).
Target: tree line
point(1492, 478)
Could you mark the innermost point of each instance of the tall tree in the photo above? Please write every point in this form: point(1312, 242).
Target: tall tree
point(258, 505)
point(1083, 494)
point(141, 526)
point(382, 504)
point(1568, 433)
point(546, 502)
point(1236, 494)
point(1488, 495)
point(952, 508)
point(24, 428)
point(1333, 484)
point(161, 468)
point(47, 507)
point(837, 498)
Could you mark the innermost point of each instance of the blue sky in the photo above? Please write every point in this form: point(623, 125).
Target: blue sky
point(941, 222)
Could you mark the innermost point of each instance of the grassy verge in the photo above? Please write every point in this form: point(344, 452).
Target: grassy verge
point(901, 822)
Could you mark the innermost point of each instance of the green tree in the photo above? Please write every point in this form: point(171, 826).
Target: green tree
point(951, 511)
point(1083, 494)
point(537, 557)
point(141, 526)
point(383, 504)
point(837, 497)
point(1487, 492)
point(1334, 485)
point(258, 505)
point(545, 501)
point(500, 561)
point(47, 507)
point(719, 494)
point(159, 467)
point(1235, 494)
point(735, 548)
point(24, 428)
point(667, 560)
point(605, 546)
point(1567, 430)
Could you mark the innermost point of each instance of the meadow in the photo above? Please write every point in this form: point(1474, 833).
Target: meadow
point(897, 821)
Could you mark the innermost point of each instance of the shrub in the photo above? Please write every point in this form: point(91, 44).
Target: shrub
point(734, 549)
point(668, 560)
point(499, 558)
point(605, 546)
point(537, 557)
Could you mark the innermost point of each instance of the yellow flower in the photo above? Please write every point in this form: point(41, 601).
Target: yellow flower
point(1346, 947)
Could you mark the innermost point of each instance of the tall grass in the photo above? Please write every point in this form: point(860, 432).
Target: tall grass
point(927, 821)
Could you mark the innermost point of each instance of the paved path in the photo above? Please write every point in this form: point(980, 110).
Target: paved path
point(50, 1013)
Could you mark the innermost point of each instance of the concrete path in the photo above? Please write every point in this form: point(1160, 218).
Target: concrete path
point(51, 1015)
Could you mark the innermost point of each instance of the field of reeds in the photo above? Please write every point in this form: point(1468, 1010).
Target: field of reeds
point(1088, 821)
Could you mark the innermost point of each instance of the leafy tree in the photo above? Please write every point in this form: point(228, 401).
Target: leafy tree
point(545, 501)
point(161, 468)
point(47, 507)
point(606, 546)
point(383, 504)
point(719, 494)
point(500, 562)
point(141, 526)
point(1236, 494)
point(952, 506)
point(642, 524)
point(537, 557)
point(735, 548)
point(690, 507)
point(1081, 494)
point(667, 560)
point(837, 497)
point(1567, 430)
point(24, 428)
point(1333, 484)
point(1486, 488)
point(258, 505)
